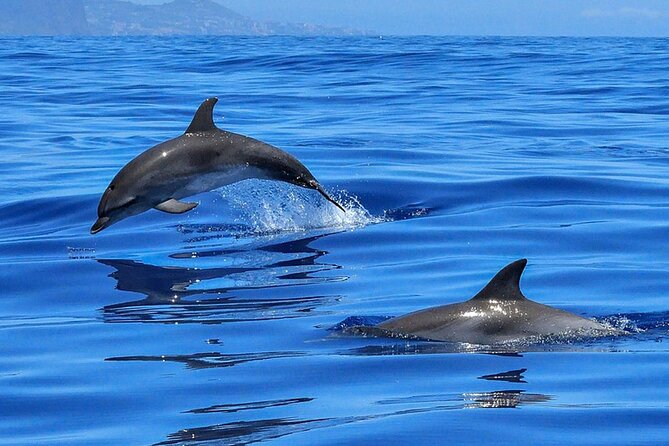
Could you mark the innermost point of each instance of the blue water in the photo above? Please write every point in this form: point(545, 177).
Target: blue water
point(454, 156)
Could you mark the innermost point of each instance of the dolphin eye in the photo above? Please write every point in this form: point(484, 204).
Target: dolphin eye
point(111, 187)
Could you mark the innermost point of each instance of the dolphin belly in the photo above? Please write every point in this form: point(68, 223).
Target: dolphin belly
point(197, 184)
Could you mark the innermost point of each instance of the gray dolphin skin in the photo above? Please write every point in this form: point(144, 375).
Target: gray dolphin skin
point(499, 313)
point(202, 159)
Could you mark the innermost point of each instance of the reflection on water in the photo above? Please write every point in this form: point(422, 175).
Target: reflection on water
point(512, 376)
point(427, 348)
point(416, 347)
point(255, 431)
point(261, 281)
point(198, 292)
point(209, 360)
point(244, 432)
point(251, 283)
point(254, 405)
point(502, 399)
point(498, 399)
point(163, 284)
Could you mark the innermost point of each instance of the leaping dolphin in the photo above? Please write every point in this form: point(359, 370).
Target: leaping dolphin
point(202, 159)
point(499, 313)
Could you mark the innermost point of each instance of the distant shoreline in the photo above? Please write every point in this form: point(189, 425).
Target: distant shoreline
point(123, 18)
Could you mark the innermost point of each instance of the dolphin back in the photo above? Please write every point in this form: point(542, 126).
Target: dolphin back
point(499, 313)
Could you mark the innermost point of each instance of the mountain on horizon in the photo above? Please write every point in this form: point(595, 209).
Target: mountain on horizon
point(124, 18)
point(40, 17)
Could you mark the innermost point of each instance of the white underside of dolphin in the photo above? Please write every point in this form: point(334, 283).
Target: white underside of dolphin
point(499, 313)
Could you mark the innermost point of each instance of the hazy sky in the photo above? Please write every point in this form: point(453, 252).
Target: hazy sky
point(470, 17)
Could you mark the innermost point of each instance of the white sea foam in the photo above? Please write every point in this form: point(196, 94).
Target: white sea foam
point(270, 207)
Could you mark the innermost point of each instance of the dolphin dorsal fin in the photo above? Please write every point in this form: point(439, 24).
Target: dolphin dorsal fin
point(203, 120)
point(506, 283)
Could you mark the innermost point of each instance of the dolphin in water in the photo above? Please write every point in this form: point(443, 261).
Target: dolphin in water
point(202, 159)
point(499, 313)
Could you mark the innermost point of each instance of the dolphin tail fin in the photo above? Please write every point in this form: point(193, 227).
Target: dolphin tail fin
point(204, 117)
point(506, 283)
point(173, 206)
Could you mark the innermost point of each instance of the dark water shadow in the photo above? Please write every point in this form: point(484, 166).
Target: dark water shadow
point(210, 359)
point(417, 347)
point(240, 432)
point(254, 405)
point(251, 429)
point(512, 376)
point(245, 432)
point(246, 291)
point(388, 347)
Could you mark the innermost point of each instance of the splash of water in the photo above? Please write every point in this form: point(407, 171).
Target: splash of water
point(621, 322)
point(272, 207)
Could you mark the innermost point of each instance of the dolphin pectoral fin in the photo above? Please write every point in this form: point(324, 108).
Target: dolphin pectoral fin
point(173, 206)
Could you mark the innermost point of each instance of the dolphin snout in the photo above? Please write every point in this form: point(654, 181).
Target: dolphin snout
point(99, 225)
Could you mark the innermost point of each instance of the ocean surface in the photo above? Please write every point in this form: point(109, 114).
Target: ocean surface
point(453, 156)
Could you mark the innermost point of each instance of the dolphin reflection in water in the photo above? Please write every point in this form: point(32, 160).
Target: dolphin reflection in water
point(257, 430)
point(245, 291)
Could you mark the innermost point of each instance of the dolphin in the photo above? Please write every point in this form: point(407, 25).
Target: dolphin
point(202, 159)
point(499, 313)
